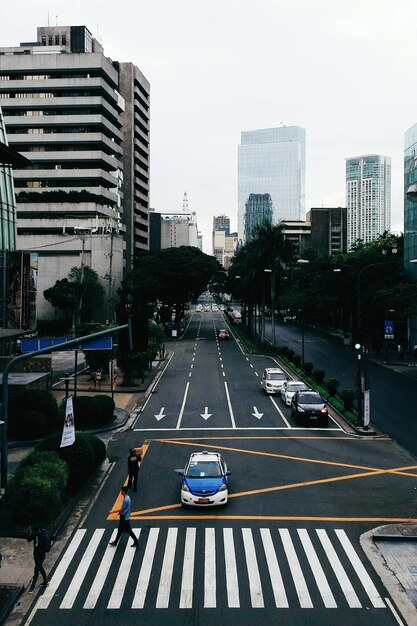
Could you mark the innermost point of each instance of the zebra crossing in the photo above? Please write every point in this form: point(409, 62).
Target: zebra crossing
point(212, 567)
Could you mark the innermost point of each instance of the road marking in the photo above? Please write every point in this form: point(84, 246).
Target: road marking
point(160, 415)
point(145, 571)
point(183, 405)
point(296, 571)
point(232, 581)
point(74, 587)
point(162, 600)
point(284, 419)
point(100, 577)
point(232, 417)
point(60, 571)
point(256, 413)
point(255, 586)
point(345, 584)
point(363, 575)
point(210, 570)
point(318, 572)
point(122, 577)
point(187, 583)
point(206, 414)
point(281, 600)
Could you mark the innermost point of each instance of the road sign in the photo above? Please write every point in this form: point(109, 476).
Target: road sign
point(99, 343)
point(388, 329)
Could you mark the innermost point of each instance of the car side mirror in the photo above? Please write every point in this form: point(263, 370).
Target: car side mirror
point(228, 473)
point(180, 472)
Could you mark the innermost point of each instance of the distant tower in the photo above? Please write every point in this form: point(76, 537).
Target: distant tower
point(185, 202)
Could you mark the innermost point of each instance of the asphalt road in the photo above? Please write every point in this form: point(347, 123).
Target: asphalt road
point(285, 550)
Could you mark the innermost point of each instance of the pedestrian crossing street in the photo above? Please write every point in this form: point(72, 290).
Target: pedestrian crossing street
point(200, 567)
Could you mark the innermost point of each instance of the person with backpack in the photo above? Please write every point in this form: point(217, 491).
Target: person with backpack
point(133, 461)
point(41, 545)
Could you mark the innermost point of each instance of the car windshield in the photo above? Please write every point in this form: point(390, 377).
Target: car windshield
point(309, 398)
point(204, 469)
point(276, 376)
point(296, 386)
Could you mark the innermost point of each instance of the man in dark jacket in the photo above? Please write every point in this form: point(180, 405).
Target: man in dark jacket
point(133, 461)
point(41, 545)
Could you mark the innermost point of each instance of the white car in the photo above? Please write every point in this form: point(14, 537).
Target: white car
point(272, 379)
point(289, 388)
point(214, 308)
point(198, 308)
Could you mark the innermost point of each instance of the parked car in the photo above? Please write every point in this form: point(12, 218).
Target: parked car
point(198, 308)
point(289, 388)
point(272, 379)
point(205, 480)
point(207, 308)
point(214, 308)
point(223, 334)
point(308, 407)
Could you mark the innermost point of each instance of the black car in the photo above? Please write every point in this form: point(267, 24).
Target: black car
point(308, 407)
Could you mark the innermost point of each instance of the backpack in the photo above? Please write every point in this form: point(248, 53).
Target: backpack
point(45, 542)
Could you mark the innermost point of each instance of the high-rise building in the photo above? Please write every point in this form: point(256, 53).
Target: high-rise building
point(410, 217)
point(258, 210)
point(368, 197)
point(83, 121)
point(222, 222)
point(272, 161)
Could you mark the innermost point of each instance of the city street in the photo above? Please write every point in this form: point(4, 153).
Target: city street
point(286, 547)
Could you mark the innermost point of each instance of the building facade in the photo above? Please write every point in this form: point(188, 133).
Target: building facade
point(368, 197)
point(222, 222)
point(272, 161)
point(258, 210)
point(179, 229)
point(328, 230)
point(64, 110)
point(410, 216)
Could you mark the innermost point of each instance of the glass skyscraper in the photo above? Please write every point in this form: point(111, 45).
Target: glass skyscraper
point(410, 208)
point(258, 211)
point(272, 160)
point(7, 197)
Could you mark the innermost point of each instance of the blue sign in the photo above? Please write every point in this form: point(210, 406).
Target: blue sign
point(99, 343)
point(388, 329)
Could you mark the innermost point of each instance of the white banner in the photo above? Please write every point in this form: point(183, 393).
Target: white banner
point(366, 407)
point(68, 433)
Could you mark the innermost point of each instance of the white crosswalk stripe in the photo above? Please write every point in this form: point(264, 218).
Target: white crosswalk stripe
point(233, 567)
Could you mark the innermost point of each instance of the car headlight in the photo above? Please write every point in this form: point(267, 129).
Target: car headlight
point(184, 487)
point(324, 409)
point(223, 487)
point(299, 408)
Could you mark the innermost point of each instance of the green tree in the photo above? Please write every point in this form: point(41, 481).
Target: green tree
point(81, 291)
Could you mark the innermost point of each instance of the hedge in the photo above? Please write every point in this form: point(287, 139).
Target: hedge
point(107, 406)
point(80, 458)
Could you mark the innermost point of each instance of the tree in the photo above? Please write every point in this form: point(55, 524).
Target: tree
point(82, 285)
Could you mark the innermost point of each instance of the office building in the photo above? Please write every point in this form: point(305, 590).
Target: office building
point(272, 161)
point(368, 197)
point(258, 211)
point(178, 229)
point(328, 235)
point(222, 222)
point(410, 217)
point(64, 109)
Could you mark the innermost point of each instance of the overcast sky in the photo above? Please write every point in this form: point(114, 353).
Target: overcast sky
point(345, 71)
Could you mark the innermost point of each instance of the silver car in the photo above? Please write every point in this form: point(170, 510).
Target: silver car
point(289, 388)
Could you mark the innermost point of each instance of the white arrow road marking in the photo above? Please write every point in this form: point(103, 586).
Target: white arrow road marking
point(206, 414)
point(256, 413)
point(160, 415)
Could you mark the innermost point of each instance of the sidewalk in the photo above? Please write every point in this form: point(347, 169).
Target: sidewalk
point(16, 564)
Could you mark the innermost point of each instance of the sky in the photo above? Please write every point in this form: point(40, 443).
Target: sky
point(345, 71)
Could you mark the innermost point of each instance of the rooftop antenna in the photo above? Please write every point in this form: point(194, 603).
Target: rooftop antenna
point(185, 202)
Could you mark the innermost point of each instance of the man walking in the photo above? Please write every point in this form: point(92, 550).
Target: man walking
point(41, 545)
point(124, 520)
point(133, 461)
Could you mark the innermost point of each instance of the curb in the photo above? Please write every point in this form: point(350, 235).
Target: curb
point(6, 609)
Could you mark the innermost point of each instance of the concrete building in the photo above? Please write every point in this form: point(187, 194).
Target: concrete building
point(410, 217)
point(368, 197)
point(221, 222)
point(324, 231)
point(64, 110)
point(225, 246)
point(178, 229)
point(272, 161)
point(258, 210)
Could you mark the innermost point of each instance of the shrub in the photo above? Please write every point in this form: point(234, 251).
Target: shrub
point(38, 487)
point(107, 406)
point(308, 368)
point(35, 499)
point(297, 360)
point(98, 446)
point(290, 354)
point(332, 385)
point(80, 458)
point(318, 376)
point(87, 412)
point(283, 350)
point(347, 396)
point(34, 400)
point(30, 425)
